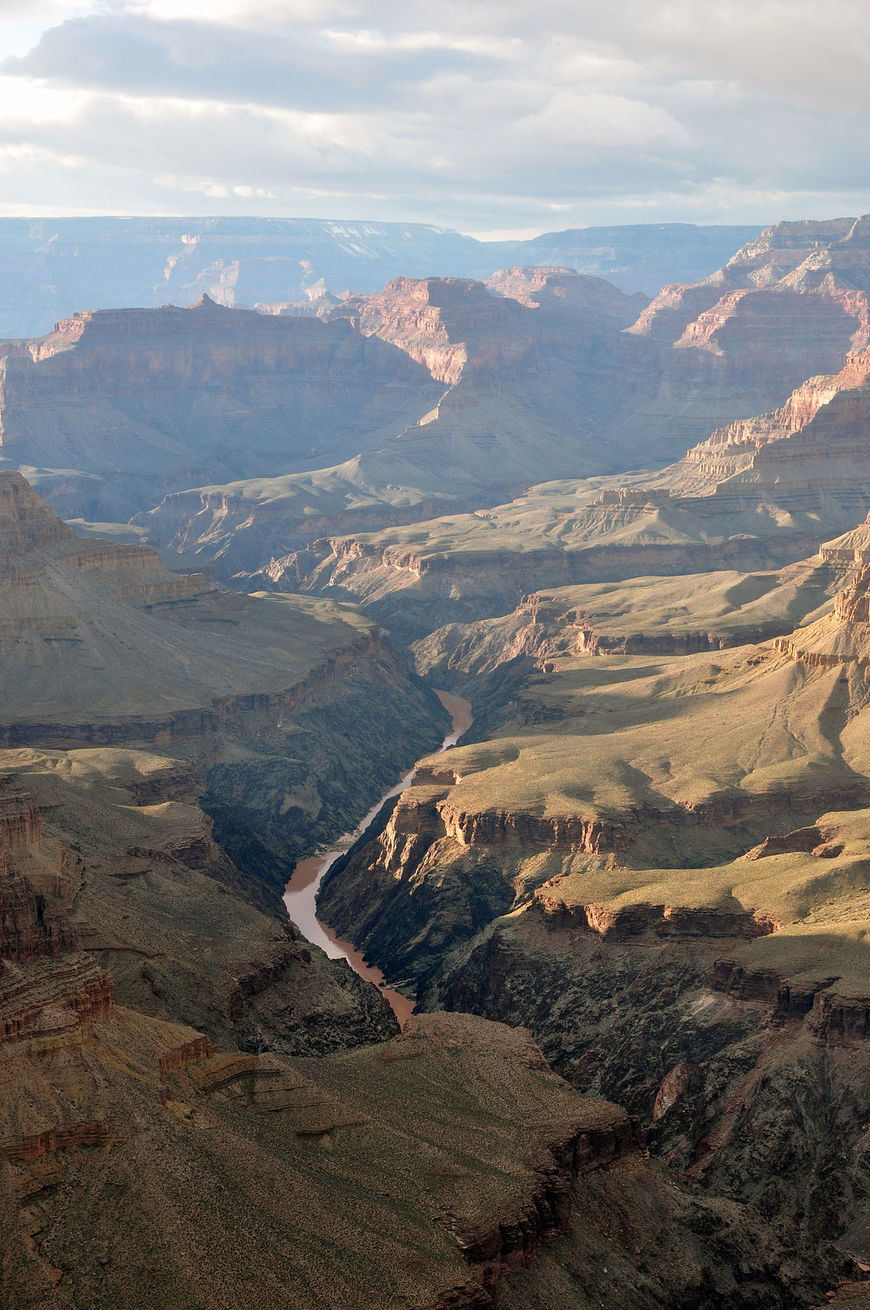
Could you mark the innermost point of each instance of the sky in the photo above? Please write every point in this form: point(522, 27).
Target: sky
point(499, 118)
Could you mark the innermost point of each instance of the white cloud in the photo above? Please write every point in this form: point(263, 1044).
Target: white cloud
point(241, 13)
point(491, 115)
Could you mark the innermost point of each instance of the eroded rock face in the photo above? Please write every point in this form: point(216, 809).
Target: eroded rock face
point(456, 1134)
point(842, 638)
point(110, 852)
point(828, 258)
point(140, 402)
point(809, 455)
point(725, 1004)
point(730, 1081)
point(267, 698)
point(541, 370)
point(47, 986)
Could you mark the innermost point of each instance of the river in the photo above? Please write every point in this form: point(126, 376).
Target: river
point(300, 895)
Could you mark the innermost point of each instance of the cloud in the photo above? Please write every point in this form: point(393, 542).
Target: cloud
point(483, 116)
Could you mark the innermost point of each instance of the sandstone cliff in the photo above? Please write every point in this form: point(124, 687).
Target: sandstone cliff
point(141, 401)
point(541, 371)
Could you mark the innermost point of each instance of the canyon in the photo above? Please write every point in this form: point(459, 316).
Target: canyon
point(629, 905)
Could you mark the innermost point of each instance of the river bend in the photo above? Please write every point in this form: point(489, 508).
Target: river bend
point(300, 896)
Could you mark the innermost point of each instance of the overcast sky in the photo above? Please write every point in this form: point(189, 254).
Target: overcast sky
point(491, 116)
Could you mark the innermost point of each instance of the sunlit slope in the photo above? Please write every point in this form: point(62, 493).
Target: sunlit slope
point(694, 612)
point(639, 778)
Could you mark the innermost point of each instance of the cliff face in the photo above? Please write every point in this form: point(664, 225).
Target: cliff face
point(103, 647)
point(811, 455)
point(526, 383)
point(729, 1077)
point(139, 402)
point(33, 886)
point(542, 370)
point(643, 616)
point(828, 259)
point(51, 267)
point(221, 1138)
point(790, 305)
point(842, 638)
point(108, 851)
point(47, 986)
point(681, 926)
point(456, 1135)
point(451, 325)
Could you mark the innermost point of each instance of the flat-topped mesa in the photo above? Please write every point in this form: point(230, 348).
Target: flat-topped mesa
point(434, 320)
point(116, 408)
point(108, 326)
point(594, 303)
point(852, 547)
point(634, 497)
point(645, 919)
point(829, 1012)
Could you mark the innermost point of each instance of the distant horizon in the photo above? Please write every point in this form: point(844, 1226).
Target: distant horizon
point(509, 236)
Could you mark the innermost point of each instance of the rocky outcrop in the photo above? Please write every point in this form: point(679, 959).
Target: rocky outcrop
point(702, 1068)
point(51, 267)
point(521, 396)
point(839, 1019)
point(622, 922)
point(514, 1241)
point(841, 638)
point(123, 397)
point(294, 1144)
point(828, 258)
point(504, 828)
point(810, 454)
point(451, 325)
point(103, 647)
point(411, 592)
point(645, 616)
point(43, 999)
point(47, 987)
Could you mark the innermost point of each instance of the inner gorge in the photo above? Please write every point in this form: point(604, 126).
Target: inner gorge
point(300, 896)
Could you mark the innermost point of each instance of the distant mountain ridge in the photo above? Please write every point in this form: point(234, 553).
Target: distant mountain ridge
point(53, 267)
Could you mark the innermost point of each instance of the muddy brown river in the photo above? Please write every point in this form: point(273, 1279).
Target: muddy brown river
point(300, 895)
